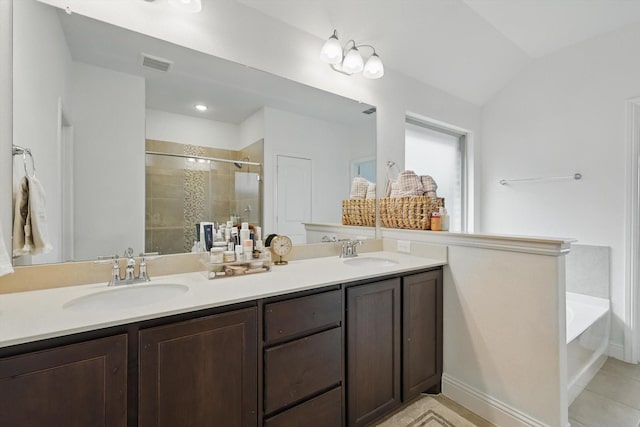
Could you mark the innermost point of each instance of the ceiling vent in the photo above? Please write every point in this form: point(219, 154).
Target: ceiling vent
point(156, 63)
point(369, 111)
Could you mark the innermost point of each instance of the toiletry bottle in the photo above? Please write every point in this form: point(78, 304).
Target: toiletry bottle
point(436, 224)
point(244, 232)
point(216, 255)
point(444, 219)
point(247, 249)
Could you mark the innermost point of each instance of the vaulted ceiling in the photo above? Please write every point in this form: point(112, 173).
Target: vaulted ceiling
point(469, 48)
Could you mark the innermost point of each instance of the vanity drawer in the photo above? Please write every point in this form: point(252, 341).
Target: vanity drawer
point(300, 368)
point(295, 316)
point(321, 411)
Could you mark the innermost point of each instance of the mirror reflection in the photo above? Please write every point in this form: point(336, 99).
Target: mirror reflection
point(136, 140)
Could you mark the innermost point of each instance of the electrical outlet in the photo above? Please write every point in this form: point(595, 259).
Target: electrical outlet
point(404, 246)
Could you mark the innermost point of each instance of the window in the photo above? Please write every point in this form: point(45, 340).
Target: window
point(440, 153)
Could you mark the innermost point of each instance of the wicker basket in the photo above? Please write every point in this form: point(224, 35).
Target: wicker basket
point(409, 212)
point(359, 212)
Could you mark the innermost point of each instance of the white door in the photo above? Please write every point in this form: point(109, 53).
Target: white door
point(293, 197)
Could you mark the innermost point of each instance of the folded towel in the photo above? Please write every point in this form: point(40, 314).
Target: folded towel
point(371, 191)
point(359, 188)
point(5, 261)
point(20, 213)
point(429, 185)
point(38, 214)
point(409, 184)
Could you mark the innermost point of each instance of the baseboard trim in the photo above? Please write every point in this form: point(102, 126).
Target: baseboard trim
point(488, 407)
point(616, 351)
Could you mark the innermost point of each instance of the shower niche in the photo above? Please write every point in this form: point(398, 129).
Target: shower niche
point(187, 184)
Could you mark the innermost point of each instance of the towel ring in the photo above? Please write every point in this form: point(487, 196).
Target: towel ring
point(392, 165)
point(33, 163)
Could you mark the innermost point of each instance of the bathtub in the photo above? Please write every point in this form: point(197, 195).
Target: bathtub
point(588, 322)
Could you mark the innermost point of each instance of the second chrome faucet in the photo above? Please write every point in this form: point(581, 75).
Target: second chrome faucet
point(348, 248)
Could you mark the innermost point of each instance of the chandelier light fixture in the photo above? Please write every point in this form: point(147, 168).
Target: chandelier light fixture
point(348, 60)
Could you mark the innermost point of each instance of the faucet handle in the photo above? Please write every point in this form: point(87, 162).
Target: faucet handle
point(105, 259)
point(148, 256)
point(144, 275)
point(128, 253)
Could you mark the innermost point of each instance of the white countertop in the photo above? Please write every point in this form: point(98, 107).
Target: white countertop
point(37, 315)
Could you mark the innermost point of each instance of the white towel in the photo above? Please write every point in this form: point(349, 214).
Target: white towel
point(359, 188)
point(20, 214)
point(371, 191)
point(38, 216)
point(409, 184)
point(5, 261)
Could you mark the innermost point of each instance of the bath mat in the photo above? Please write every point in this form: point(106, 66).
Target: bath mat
point(426, 412)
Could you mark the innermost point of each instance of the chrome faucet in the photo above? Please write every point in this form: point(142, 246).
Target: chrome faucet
point(129, 275)
point(348, 248)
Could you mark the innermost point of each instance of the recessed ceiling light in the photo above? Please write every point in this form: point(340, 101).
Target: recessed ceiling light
point(201, 107)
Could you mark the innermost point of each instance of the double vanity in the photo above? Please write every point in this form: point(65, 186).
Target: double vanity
point(321, 341)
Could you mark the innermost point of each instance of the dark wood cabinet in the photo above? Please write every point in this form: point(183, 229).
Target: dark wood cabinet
point(373, 350)
point(200, 372)
point(322, 411)
point(303, 370)
point(293, 317)
point(422, 333)
point(342, 355)
point(299, 369)
point(79, 385)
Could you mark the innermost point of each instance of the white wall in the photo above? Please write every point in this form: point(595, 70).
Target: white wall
point(325, 143)
point(565, 114)
point(493, 365)
point(6, 119)
point(164, 126)
point(41, 79)
point(216, 31)
point(252, 129)
point(109, 161)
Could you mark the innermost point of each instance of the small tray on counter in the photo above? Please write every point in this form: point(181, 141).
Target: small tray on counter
point(235, 268)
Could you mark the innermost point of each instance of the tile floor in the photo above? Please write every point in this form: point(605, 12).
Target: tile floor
point(611, 399)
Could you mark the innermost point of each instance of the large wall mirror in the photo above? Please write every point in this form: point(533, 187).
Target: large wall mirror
point(126, 159)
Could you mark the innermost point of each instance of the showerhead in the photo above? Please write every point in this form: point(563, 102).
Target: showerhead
point(239, 165)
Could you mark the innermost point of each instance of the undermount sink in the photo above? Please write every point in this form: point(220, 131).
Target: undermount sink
point(370, 262)
point(126, 296)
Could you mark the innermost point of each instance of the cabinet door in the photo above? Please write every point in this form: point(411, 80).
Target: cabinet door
point(373, 350)
point(79, 385)
point(422, 333)
point(201, 372)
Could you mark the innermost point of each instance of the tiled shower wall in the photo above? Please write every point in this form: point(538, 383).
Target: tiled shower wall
point(180, 193)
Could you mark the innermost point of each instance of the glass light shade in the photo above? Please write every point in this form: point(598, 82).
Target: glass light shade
point(331, 52)
point(373, 69)
point(193, 6)
point(352, 62)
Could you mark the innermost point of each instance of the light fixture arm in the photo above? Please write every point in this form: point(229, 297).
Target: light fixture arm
point(367, 45)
